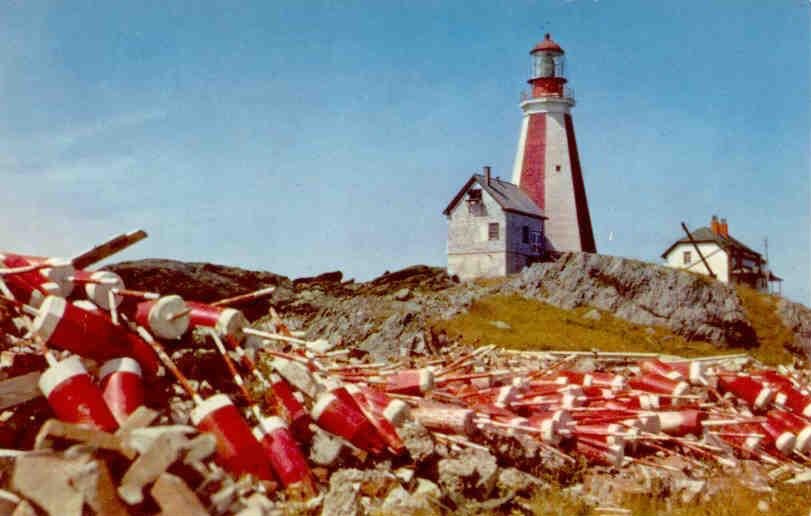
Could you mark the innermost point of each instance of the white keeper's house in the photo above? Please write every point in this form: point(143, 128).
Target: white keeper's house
point(730, 260)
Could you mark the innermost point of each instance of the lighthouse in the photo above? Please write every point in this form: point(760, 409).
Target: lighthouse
point(547, 165)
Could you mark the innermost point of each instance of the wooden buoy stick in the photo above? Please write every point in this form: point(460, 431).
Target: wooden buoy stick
point(243, 389)
point(182, 313)
point(108, 248)
point(170, 365)
point(113, 307)
point(274, 336)
point(257, 294)
point(136, 293)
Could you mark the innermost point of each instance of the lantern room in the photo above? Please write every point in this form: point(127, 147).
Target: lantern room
point(548, 68)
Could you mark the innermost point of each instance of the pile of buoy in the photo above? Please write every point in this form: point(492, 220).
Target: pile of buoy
point(609, 409)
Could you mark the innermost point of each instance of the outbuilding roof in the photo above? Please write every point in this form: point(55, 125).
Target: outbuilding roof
point(509, 196)
point(705, 235)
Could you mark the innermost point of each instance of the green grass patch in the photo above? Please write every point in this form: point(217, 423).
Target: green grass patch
point(774, 339)
point(736, 500)
point(539, 326)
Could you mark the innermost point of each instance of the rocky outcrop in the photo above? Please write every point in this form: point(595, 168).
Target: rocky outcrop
point(797, 318)
point(199, 281)
point(690, 305)
point(389, 315)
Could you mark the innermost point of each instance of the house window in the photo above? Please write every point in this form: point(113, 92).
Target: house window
point(687, 258)
point(525, 234)
point(492, 231)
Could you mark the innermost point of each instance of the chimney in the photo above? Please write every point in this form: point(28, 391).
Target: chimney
point(715, 226)
point(724, 228)
point(487, 175)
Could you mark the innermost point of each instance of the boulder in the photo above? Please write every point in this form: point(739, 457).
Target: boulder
point(471, 474)
point(797, 318)
point(691, 305)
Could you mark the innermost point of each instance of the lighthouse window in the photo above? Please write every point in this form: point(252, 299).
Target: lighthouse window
point(492, 231)
point(557, 168)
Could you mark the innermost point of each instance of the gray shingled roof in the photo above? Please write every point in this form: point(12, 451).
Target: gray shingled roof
point(705, 234)
point(509, 196)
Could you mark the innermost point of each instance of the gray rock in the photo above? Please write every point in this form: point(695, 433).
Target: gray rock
point(346, 486)
point(403, 294)
point(515, 481)
point(472, 474)
point(342, 497)
point(693, 306)
point(416, 439)
point(402, 502)
point(326, 449)
point(797, 318)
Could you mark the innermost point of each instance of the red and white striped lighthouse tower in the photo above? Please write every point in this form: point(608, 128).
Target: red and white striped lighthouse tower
point(547, 166)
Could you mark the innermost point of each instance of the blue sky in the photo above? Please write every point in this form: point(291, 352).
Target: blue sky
point(305, 138)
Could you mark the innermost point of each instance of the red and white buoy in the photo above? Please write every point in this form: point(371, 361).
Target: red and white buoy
point(100, 287)
point(167, 317)
point(411, 382)
point(74, 327)
point(681, 422)
point(446, 419)
point(122, 387)
point(141, 351)
point(384, 427)
point(285, 457)
point(394, 411)
point(656, 366)
point(74, 397)
point(693, 371)
point(291, 408)
point(755, 393)
point(227, 322)
point(237, 449)
point(782, 438)
point(794, 400)
point(799, 426)
point(337, 416)
point(659, 384)
point(55, 275)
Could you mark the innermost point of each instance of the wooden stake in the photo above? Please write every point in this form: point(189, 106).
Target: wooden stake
point(136, 293)
point(257, 294)
point(113, 308)
point(170, 365)
point(107, 249)
point(182, 313)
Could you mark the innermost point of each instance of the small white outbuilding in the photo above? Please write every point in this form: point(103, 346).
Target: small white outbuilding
point(494, 229)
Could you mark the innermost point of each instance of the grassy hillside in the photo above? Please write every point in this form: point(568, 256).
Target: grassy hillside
point(533, 325)
point(785, 500)
point(774, 339)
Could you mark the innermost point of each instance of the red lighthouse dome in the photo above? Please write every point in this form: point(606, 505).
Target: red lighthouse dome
point(548, 44)
point(547, 73)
